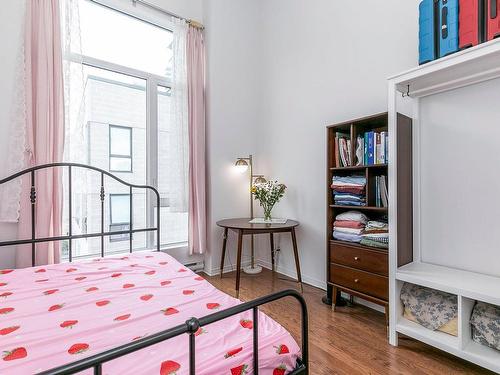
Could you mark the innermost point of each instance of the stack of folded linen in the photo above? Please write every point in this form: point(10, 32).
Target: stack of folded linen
point(376, 234)
point(349, 226)
point(349, 190)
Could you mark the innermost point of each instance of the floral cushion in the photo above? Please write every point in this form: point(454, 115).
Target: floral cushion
point(485, 321)
point(431, 308)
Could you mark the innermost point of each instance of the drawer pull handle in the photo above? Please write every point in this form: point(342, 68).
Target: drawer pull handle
point(356, 258)
point(356, 280)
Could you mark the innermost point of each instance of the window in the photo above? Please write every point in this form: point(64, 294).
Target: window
point(125, 120)
point(119, 210)
point(120, 148)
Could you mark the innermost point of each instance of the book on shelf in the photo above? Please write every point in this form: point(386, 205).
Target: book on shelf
point(342, 150)
point(374, 146)
point(381, 194)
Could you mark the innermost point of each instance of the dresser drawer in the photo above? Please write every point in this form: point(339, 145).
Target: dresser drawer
point(360, 258)
point(361, 281)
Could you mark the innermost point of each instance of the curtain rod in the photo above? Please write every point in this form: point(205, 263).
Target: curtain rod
point(161, 10)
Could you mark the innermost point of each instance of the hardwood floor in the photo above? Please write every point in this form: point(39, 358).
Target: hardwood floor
point(352, 340)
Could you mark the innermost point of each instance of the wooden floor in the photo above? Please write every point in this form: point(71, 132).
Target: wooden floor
point(350, 341)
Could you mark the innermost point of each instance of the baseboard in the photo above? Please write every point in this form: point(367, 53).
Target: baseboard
point(293, 274)
point(227, 268)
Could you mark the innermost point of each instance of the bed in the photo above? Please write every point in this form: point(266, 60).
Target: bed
point(136, 313)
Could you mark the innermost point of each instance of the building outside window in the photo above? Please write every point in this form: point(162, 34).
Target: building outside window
point(126, 123)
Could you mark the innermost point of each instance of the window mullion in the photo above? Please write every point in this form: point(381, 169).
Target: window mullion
point(152, 149)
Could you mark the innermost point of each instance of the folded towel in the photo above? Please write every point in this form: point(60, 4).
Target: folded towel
point(348, 189)
point(349, 180)
point(348, 230)
point(348, 224)
point(350, 203)
point(371, 243)
point(352, 216)
point(374, 224)
point(346, 236)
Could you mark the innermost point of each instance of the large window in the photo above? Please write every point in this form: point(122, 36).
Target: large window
point(125, 116)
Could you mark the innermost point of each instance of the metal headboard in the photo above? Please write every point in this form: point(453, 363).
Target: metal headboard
point(70, 236)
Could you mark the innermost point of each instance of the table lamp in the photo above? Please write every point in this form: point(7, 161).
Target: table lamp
point(243, 164)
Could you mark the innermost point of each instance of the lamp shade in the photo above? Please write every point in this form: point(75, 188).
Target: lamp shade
point(241, 165)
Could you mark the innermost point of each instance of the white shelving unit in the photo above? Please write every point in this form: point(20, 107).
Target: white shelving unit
point(460, 70)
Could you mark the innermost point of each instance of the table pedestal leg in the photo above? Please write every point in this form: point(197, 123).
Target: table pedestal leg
point(271, 238)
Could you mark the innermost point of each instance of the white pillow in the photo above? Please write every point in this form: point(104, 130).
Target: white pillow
point(352, 216)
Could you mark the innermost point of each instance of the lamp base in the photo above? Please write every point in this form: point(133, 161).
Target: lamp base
point(252, 270)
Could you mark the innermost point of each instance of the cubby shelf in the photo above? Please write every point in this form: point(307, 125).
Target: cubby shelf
point(359, 167)
point(463, 283)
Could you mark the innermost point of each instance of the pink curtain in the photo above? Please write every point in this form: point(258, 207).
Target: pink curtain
point(195, 56)
point(44, 129)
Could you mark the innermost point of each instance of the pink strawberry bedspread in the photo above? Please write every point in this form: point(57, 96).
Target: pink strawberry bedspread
point(53, 315)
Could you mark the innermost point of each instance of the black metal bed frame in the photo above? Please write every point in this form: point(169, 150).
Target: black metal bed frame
point(190, 327)
point(70, 236)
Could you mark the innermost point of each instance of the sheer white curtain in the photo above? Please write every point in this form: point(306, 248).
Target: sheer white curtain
point(10, 192)
point(179, 140)
point(76, 138)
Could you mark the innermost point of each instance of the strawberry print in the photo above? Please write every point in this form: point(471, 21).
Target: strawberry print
point(138, 337)
point(102, 303)
point(124, 258)
point(233, 352)
point(199, 278)
point(78, 348)
point(71, 269)
point(149, 256)
point(280, 370)
point(213, 305)
point(126, 286)
point(245, 323)
point(150, 273)
point(3, 284)
point(200, 331)
point(5, 294)
point(5, 272)
point(170, 311)
point(240, 370)
point(80, 278)
point(56, 307)
point(68, 323)
point(169, 368)
point(282, 349)
point(134, 265)
point(166, 282)
point(188, 292)
point(51, 291)
point(121, 317)
point(163, 263)
point(6, 310)
point(16, 353)
point(102, 268)
point(40, 270)
point(182, 270)
point(92, 289)
point(117, 274)
point(146, 297)
point(6, 331)
point(41, 280)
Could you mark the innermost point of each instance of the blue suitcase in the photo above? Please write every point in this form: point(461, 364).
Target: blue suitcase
point(448, 27)
point(427, 47)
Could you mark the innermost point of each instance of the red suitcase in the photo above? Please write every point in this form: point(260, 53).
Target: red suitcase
point(493, 19)
point(471, 23)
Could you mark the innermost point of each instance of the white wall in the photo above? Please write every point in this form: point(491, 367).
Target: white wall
point(459, 161)
point(233, 98)
point(11, 24)
point(324, 62)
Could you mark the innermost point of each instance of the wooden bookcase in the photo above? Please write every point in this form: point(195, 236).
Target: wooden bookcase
point(358, 270)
